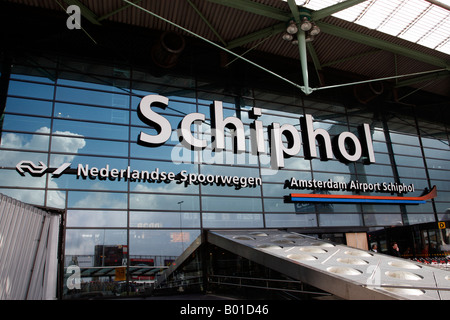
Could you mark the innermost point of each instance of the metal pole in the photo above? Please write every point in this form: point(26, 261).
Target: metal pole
point(303, 60)
point(372, 80)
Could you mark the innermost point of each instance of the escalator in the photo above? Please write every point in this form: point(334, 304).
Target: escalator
point(286, 265)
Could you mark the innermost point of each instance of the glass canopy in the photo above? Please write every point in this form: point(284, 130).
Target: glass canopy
point(420, 21)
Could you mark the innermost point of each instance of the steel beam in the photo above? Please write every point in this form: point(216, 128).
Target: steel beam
point(200, 14)
point(328, 11)
point(430, 77)
point(106, 16)
point(260, 34)
point(381, 44)
point(256, 8)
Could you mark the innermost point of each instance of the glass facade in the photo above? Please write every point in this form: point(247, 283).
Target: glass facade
point(85, 114)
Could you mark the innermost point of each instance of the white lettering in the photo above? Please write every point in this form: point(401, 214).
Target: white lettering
point(218, 124)
point(151, 118)
point(277, 149)
point(309, 139)
point(185, 133)
point(357, 151)
point(285, 139)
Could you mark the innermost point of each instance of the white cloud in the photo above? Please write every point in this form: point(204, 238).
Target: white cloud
point(38, 141)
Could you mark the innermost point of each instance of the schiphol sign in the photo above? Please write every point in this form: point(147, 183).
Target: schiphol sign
point(321, 188)
point(323, 194)
point(346, 146)
point(85, 171)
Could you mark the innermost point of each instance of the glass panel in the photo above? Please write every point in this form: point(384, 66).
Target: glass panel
point(140, 219)
point(442, 206)
point(35, 197)
point(435, 143)
point(406, 150)
point(277, 190)
point(30, 77)
point(232, 220)
point(438, 164)
point(34, 142)
point(281, 220)
point(334, 220)
point(28, 107)
point(99, 162)
point(56, 199)
point(441, 185)
point(95, 83)
point(411, 172)
point(419, 218)
point(90, 247)
point(98, 219)
point(435, 153)
point(336, 166)
point(12, 158)
point(409, 161)
point(231, 204)
point(92, 97)
point(381, 208)
point(422, 208)
point(296, 163)
point(269, 175)
point(227, 157)
point(160, 245)
point(405, 139)
point(72, 181)
point(11, 178)
point(143, 201)
point(29, 124)
point(88, 146)
point(31, 90)
point(174, 153)
point(73, 111)
point(383, 219)
point(89, 129)
point(381, 158)
point(278, 205)
point(101, 200)
point(338, 208)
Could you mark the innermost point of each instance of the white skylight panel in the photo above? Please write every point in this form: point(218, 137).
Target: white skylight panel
point(439, 28)
point(395, 22)
point(419, 27)
point(444, 46)
point(316, 5)
point(380, 11)
point(351, 14)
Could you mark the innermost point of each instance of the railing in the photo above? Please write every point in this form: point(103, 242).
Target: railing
point(268, 284)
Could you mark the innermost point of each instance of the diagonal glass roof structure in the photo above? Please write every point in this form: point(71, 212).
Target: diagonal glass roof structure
point(424, 22)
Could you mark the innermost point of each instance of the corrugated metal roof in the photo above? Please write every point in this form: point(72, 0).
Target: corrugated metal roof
point(230, 23)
